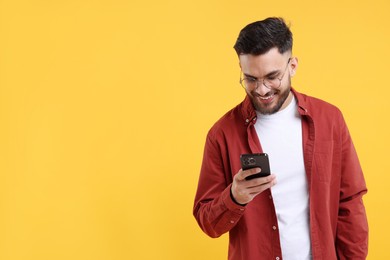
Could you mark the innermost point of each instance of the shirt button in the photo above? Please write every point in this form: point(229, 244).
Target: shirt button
point(247, 120)
point(274, 227)
point(232, 221)
point(277, 258)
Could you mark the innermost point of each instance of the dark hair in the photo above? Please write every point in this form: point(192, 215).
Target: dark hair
point(259, 37)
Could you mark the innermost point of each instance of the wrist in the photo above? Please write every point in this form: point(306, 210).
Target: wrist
point(234, 200)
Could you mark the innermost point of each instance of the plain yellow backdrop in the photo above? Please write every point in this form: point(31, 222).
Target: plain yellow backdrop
point(104, 108)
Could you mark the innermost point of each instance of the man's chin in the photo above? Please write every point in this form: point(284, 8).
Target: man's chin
point(268, 110)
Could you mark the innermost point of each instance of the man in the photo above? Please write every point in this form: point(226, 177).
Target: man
point(311, 206)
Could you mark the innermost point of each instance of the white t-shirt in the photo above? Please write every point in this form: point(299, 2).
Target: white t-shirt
point(280, 136)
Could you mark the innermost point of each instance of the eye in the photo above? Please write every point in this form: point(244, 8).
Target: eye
point(251, 80)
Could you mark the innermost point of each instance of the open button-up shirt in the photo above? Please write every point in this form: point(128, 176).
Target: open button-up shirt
point(338, 223)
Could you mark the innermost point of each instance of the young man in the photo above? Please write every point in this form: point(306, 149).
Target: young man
point(311, 206)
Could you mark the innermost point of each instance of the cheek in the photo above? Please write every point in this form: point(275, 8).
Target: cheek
point(286, 84)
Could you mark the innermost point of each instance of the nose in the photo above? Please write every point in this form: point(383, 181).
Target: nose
point(262, 89)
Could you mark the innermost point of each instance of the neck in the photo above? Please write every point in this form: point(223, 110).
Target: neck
point(287, 101)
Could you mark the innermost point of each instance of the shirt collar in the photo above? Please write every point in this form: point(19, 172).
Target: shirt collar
point(249, 113)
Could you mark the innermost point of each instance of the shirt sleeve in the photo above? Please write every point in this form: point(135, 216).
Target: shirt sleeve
point(214, 209)
point(352, 226)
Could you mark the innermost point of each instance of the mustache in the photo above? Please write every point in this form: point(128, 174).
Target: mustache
point(270, 93)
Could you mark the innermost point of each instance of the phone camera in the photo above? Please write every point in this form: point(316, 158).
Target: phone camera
point(250, 161)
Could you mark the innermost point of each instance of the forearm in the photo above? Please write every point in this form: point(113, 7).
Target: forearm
point(219, 215)
point(352, 230)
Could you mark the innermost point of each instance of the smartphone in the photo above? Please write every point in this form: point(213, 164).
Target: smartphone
point(256, 160)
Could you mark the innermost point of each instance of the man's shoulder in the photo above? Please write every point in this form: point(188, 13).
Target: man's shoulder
point(230, 120)
point(315, 105)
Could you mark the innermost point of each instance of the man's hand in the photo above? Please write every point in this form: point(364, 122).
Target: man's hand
point(244, 191)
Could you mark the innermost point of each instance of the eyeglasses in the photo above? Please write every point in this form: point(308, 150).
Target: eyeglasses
point(251, 83)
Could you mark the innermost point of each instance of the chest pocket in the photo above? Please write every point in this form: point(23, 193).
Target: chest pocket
point(323, 160)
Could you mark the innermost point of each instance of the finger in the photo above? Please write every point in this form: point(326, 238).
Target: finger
point(242, 174)
point(261, 180)
point(246, 173)
point(260, 188)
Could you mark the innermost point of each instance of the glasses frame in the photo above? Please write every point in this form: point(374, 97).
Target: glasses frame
point(261, 81)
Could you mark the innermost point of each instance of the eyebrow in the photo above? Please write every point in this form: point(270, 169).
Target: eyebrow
point(270, 74)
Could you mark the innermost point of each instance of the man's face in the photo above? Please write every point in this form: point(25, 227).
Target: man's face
point(270, 67)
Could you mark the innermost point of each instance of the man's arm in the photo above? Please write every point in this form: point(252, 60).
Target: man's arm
point(219, 204)
point(214, 209)
point(352, 226)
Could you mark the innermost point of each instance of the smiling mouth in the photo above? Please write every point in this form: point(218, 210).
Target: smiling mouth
point(267, 97)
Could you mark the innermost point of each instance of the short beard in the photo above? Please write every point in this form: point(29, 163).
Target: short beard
point(270, 110)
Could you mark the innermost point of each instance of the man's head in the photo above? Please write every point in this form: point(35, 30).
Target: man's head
point(264, 49)
point(259, 37)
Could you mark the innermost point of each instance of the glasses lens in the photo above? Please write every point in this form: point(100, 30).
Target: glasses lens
point(248, 83)
point(272, 83)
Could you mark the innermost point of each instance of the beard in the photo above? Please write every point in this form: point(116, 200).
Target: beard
point(280, 96)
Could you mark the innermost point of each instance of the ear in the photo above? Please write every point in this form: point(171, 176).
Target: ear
point(293, 66)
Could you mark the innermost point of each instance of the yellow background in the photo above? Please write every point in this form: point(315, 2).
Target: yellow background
point(104, 108)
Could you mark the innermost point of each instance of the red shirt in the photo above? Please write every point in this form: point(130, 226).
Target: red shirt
point(338, 223)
